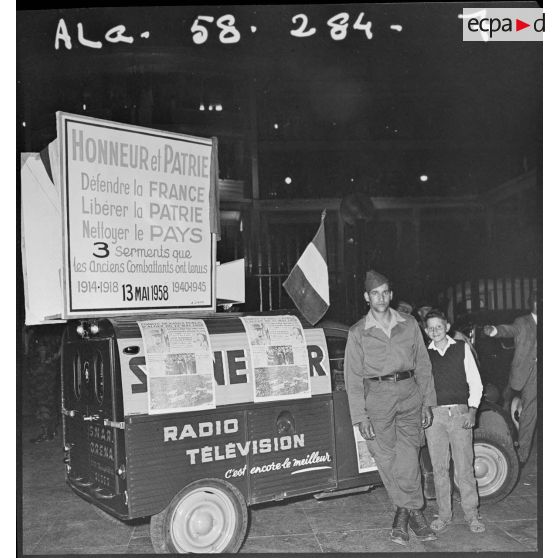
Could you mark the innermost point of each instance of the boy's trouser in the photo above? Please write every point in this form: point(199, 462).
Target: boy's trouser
point(447, 432)
point(394, 409)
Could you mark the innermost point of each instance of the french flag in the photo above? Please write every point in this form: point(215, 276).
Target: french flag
point(308, 282)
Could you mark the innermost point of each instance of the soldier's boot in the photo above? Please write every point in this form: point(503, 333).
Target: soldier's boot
point(419, 526)
point(400, 528)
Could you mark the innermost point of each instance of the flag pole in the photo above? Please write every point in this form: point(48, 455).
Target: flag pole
point(308, 281)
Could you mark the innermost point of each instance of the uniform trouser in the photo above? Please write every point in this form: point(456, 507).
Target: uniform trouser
point(528, 416)
point(445, 434)
point(394, 409)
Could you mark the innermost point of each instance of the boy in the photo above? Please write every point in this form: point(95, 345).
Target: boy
point(458, 391)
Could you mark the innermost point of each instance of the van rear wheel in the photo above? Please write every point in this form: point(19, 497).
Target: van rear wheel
point(207, 516)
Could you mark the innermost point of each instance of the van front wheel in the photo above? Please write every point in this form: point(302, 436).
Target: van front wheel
point(207, 516)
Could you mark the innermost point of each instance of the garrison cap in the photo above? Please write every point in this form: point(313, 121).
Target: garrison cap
point(373, 280)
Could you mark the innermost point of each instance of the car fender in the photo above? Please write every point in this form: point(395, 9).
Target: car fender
point(492, 416)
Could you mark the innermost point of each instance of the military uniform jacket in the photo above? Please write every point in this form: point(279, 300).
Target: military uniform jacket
point(370, 352)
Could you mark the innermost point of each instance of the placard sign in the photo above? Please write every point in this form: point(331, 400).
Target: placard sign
point(179, 365)
point(136, 204)
point(279, 356)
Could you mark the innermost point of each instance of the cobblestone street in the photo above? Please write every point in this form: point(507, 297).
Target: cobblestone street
point(56, 521)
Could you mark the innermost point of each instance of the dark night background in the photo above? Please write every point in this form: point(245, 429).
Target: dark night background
point(336, 118)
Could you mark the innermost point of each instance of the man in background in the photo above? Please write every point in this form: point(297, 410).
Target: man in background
point(404, 307)
point(523, 373)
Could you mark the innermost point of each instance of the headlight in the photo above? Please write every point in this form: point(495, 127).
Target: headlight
point(285, 424)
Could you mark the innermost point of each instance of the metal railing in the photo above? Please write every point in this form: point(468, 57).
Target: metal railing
point(501, 293)
point(265, 292)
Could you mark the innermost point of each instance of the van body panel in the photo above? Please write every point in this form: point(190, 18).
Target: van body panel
point(242, 446)
point(308, 465)
point(345, 449)
point(167, 452)
point(132, 464)
point(91, 406)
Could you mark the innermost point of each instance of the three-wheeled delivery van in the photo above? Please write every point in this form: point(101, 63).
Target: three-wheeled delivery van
point(196, 473)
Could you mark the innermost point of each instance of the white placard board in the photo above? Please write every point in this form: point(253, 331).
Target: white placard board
point(136, 219)
point(231, 282)
point(41, 242)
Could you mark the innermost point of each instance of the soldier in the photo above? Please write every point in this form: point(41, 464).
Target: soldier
point(391, 391)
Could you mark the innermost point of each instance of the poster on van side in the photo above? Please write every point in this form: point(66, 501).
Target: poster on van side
point(279, 357)
point(365, 460)
point(137, 218)
point(179, 365)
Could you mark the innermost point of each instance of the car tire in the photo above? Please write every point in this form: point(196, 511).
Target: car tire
point(207, 516)
point(496, 465)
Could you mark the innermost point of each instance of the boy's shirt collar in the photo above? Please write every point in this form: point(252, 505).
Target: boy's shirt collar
point(442, 352)
point(370, 321)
